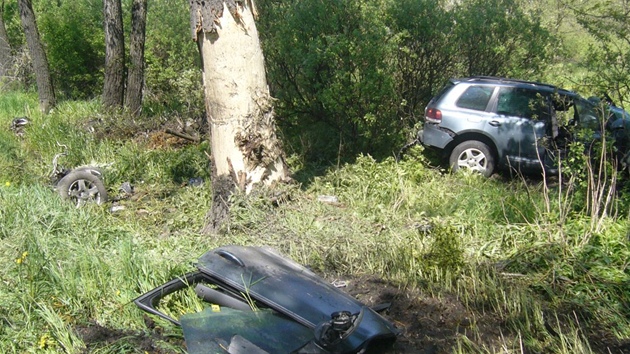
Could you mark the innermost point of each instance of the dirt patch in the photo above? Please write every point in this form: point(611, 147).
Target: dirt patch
point(97, 337)
point(428, 325)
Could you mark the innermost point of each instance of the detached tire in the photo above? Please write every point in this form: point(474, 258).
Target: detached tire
point(82, 186)
point(473, 155)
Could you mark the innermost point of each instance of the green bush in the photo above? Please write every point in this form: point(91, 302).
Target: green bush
point(75, 45)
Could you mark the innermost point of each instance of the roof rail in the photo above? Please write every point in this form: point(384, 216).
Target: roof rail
point(507, 80)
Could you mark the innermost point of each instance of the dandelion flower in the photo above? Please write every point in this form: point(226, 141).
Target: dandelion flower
point(22, 258)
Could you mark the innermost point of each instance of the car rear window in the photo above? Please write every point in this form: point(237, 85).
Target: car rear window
point(475, 97)
point(443, 90)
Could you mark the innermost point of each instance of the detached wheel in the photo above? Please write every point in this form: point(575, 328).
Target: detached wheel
point(473, 155)
point(82, 186)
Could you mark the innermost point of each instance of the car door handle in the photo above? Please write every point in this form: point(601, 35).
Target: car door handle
point(495, 123)
point(230, 257)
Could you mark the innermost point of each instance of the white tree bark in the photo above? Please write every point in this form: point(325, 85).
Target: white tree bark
point(240, 111)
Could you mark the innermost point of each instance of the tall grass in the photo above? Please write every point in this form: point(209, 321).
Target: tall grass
point(489, 243)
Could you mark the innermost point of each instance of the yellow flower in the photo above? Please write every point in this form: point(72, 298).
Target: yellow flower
point(45, 341)
point(22, 258)
point(7, 183)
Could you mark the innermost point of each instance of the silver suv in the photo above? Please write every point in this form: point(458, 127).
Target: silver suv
point(485, 123)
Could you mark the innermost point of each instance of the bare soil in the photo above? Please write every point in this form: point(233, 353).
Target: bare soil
point(428, 325)
point(97, 337)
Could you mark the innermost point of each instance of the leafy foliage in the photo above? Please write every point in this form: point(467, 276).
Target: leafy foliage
point(173, 71)
point(609, 55)
point(424, 59)
point(364, 70)
point(499, 38)
point(75, 45)
point(73, 35)
point(329, 63)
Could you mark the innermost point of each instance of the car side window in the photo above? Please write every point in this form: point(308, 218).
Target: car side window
point(588, 117)
point(475, 97)
point(519, 102)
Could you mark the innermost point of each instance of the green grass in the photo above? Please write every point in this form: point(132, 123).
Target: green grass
point(490, 243)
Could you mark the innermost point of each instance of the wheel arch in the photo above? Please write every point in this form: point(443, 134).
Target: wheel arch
point(473, 136)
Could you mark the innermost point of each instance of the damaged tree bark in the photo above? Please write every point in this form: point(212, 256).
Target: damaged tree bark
point(245, 149)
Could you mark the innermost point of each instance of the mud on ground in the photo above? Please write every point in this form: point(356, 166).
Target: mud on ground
point(428, 325)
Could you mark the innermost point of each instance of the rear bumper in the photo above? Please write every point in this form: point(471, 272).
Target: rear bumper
point(433, 136)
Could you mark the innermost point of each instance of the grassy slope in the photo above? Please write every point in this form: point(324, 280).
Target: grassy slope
point(496, 245)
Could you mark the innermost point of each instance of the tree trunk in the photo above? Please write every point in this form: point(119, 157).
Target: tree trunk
point(245, 149)
point(5, 47)
point(135, 76)
point(113, 89)
point(38, 56)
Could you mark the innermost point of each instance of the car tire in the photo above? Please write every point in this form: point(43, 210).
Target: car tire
point(473, 155)
point(82, 186)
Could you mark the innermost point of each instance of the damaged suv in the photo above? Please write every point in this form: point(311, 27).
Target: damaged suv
point(487, 123)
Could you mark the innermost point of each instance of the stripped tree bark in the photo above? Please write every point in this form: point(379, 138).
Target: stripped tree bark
point(245, 149)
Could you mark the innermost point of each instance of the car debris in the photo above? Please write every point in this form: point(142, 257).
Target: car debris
point(18, 124)
point(195, 181)
point(262, 302)
point(80, 185)
point(127, 189)
point(117, 208)
point(328, 199)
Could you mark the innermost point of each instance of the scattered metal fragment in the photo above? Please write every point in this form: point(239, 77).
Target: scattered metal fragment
point(329, 199)
point(18, 124)
point(127, 188)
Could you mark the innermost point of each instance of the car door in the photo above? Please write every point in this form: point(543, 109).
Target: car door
point(520, 125)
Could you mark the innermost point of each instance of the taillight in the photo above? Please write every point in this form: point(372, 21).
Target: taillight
point(433, 115)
